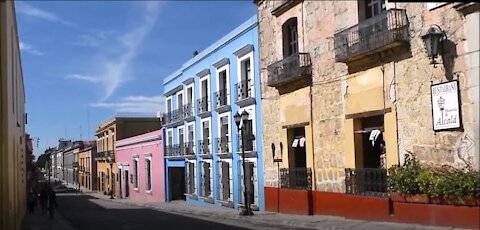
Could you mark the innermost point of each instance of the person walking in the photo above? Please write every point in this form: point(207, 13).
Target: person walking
point(51, 202)
point(31, 200)
point(43, 198)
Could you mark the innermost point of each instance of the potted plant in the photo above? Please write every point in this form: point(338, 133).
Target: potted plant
point(401, 180)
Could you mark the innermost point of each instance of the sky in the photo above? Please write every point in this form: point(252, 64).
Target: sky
point(87, 61)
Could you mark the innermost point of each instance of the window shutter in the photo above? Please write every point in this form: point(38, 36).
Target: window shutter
point(225, 181)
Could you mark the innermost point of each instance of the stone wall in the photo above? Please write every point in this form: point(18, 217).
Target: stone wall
point(406, 86)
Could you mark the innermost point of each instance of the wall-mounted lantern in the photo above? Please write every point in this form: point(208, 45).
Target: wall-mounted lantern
point(433, 40)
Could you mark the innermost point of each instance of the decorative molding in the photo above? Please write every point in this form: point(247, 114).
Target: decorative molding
point(244, 50)
point(221, 62)
point(203, 72)
point(188, 81)
point(173, 91)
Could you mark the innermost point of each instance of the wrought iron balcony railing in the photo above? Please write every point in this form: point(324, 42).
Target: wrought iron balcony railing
point(292, 68)
point(204, 146)
point(375, 34)
point(174, 116)
point(366, 181)
point(221, 97)
point(222, 144)
point(249, 144)
point(244, 90)
point(172, 151)
point(203, 105)
point(187, 110)
point(189, 148)
point(296, 178)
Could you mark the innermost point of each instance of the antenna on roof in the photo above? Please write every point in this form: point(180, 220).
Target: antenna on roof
point(195, 53)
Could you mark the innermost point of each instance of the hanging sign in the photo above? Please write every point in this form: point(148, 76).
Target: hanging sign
point(445, 106)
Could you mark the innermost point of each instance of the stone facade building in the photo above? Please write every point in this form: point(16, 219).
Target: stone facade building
point(334, 71)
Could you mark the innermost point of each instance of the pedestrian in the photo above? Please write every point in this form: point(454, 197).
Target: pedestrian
point(31, 200)
point(51, 202)
point(43, 198)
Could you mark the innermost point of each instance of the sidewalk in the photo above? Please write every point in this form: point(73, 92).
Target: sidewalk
point(268, 220)
point(37, 221)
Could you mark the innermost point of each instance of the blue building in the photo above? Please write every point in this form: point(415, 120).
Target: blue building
point(203, 154)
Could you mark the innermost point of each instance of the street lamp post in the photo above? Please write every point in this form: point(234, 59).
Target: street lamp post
point(241, 119)
point(109, 158)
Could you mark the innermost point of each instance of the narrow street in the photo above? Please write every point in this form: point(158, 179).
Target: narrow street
point(85, 212)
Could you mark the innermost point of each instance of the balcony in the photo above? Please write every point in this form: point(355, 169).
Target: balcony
point(204, 146)
point(188, 112)
point(189, 148)
point(173, 151)
point(222, 145)
point(366, 181)
point(245, 96)
point(174, 117)
point(374, 35)
point(221, 101)
point(296, 178)
point(296, 68)
point(249, 145)
point(203, 107)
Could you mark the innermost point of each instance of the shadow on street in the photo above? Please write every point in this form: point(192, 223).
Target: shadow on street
point(86, 212)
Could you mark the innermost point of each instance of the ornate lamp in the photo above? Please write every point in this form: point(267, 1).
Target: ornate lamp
point(433, 40)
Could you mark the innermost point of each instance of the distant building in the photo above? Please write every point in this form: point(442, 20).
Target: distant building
point(87, 168)
point(12, 122)
point(141, 167)
point(107, 134)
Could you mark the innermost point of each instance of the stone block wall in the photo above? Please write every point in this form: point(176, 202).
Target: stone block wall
point(406, 87)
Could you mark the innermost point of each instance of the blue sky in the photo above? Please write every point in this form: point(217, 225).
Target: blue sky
point(86, 61)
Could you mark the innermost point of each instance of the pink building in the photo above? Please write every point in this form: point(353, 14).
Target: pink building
point(141, 167)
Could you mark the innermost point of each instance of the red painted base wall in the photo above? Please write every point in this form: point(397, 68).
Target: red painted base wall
point(369, 208)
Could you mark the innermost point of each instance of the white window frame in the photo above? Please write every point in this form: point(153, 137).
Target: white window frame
point(194, 175)
point(135, 174)
point(170, 131)
point(255, 177)
point(251, 116)
point(209, 119)
point(210, 161)
point(193, 128)
point(252, 70)
point(220, 116)
point(205, 78)
point(190, 86)
point(149, 158)
point(182, 128)
point(230, 171)
point(183, 99)
point(225, 68)
point(169, 98)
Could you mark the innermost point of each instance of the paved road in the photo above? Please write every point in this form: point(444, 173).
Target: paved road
point(86, 213)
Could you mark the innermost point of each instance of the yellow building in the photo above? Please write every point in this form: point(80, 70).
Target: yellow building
point(12, 123)
point(107, 133)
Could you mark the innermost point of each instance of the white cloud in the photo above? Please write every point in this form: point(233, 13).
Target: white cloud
point(26, 9)
point(135, 104)
point(30, 49)
point(114, 73)
point(82, 78)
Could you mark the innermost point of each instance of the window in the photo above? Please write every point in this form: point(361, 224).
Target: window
point(246, 70)
point(223, 86)
point(190, 95)
point(169, 104)
point(190, 180)
point(170, 137)
point(191, 139)
point(203, 102)
point(205, 142)
point(290, 37)
point(135, 173)
point(225, 180)
point(206, 179)
point(148, 174)
point(374, 8)
point(181, 139)
point(180, 100)
point(224, 134)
